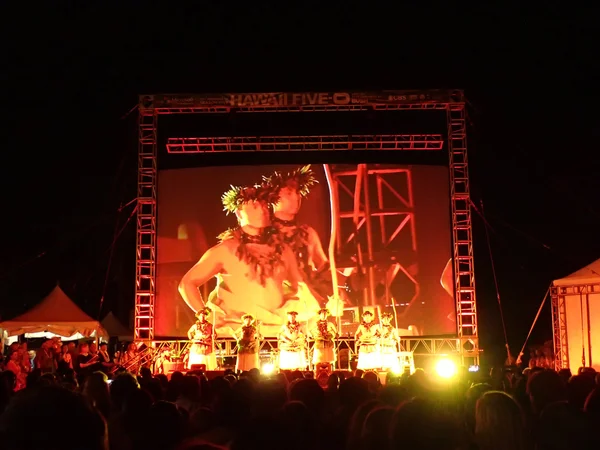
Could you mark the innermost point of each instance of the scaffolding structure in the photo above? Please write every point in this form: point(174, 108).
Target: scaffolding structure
point(450, 101)
point(559, 294)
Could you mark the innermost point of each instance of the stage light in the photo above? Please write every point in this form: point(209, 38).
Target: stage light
point(268, 369)
point(473, 368)
point(397, 369)
point(445, 368)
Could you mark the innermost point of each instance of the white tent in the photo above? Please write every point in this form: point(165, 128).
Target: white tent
point(576, 302)
point(55, 314)
point(588, 275)
point(115, 328)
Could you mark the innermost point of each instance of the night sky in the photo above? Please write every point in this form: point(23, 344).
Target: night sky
point(71, 78)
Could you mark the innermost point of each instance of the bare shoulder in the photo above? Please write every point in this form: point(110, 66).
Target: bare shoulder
point(312, 234)
point(226, 247)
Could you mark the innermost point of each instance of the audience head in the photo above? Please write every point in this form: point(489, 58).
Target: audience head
point(34, 418)
point(499, 422)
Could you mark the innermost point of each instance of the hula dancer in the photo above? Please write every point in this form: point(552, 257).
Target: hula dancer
point(202, 334)
point(389, 342)
point(248, 342)
point(250, 263)
point(324, 334)
point(367, 339)
point(290, 189)
point(292, 345)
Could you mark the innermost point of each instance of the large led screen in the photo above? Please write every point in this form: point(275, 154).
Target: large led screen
point(240, 249)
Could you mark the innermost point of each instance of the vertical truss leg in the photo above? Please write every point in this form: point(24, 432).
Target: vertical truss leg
point(145, 277)
point(466, 307)
point(559, 325)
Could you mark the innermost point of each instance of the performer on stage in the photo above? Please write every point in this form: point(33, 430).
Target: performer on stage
point(389, 342)
point(202, 335)
point(248, 342)
point(367, 340)
point(324, 334)
point(250, 263)
point(292, 345)
point(291, 188)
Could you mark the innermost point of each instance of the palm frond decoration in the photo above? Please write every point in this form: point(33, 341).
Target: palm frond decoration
point(302, 179)
point(238, 195)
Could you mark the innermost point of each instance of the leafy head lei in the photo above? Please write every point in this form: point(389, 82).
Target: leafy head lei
point(206, 311)
point(238, 195)
point(302, 179)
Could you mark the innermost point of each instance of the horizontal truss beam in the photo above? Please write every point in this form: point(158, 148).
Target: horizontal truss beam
point(415, 142)
point(418, 346)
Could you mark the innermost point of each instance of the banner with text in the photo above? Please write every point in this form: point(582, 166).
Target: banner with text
point(300, 99)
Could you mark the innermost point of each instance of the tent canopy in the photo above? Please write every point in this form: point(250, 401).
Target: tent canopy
point(587, 275)
point(115, 328)
point(56, 314)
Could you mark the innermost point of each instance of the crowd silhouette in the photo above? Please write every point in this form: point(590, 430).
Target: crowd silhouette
point(507, 409)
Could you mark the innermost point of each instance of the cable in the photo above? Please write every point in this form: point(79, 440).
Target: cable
point(116, 235)
point(489, 244)
point(533, 324)
point(128, 113)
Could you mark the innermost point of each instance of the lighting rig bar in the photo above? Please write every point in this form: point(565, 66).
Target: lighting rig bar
point(415, 142)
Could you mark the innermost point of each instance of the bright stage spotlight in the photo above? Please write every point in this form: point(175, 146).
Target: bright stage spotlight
point(397, 369)
point(445, 368)
point(268, 369)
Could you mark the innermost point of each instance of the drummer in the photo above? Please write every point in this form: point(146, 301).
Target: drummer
point(388, 342)
point(367, 340)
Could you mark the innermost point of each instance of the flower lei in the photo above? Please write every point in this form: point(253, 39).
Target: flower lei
point(298, 241)
point(248, 332)
point(386, 331)
point(368, 326)
point(263, 264)
point(323, 329)
point(205, 328)
point(293, 327)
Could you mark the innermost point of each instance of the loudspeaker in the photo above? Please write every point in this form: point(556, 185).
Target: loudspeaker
point(343, 359)
point(198, 368)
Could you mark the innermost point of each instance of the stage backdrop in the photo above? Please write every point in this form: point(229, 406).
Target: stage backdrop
point(190, 216)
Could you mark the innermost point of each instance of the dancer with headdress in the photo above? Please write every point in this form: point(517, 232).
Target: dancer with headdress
point(250, 263)
point(389, 342)
point(292, 344)
point(367, 340)
point(202, 336)
point(291, 188)
point(248, 344)
point(324, 333)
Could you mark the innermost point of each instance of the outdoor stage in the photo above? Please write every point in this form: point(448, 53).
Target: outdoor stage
point(375, 220)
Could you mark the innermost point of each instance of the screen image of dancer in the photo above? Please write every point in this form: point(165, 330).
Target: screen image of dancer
point(253, 240)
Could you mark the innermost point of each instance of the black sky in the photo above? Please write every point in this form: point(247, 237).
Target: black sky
point(71, 75)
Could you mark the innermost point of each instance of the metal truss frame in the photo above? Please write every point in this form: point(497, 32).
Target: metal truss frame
point(418, 142)
point(226, 347)
point(451, 101)
point(397, 205)
point(560, 333)
point(145, 275)
point(462, 235)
